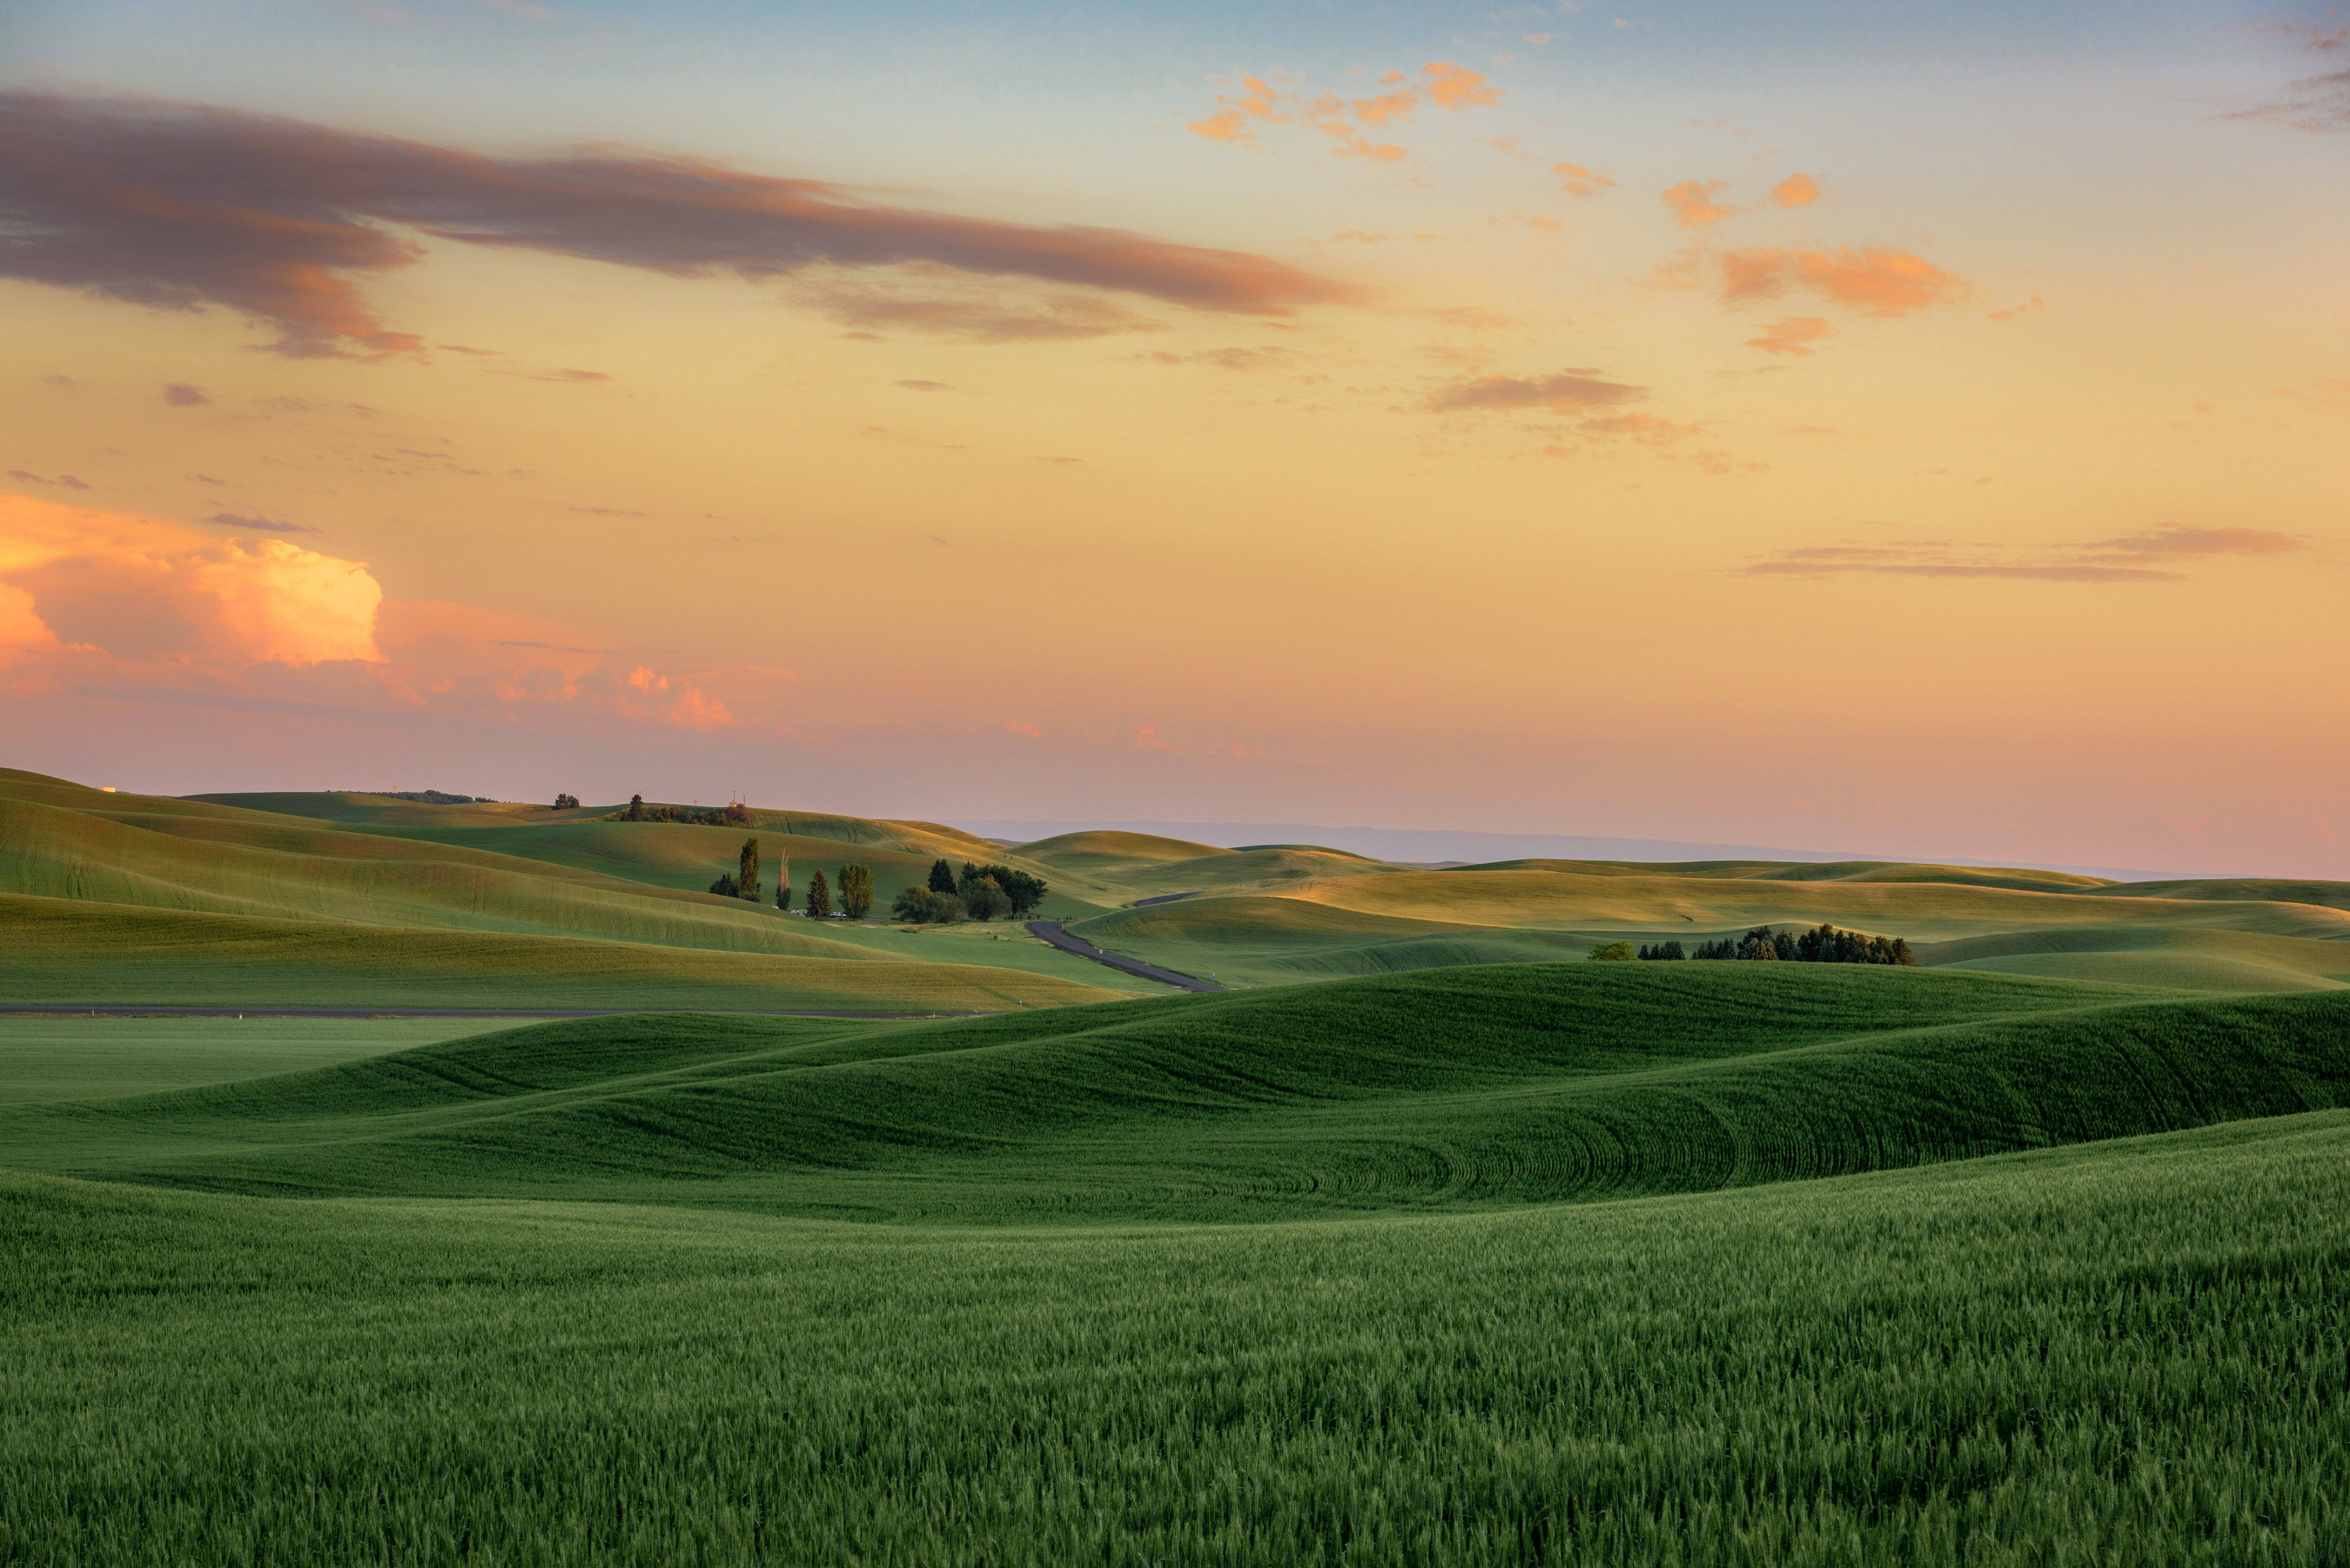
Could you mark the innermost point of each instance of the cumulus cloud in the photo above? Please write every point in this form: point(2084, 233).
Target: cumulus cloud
point(2144, 557)
point(1795, 190)
point(1693, 206)
point(177, 207)
point(129, 606)
point(1567, 392)
point(137, 590)
point(1796, 336)
point(1875, 280)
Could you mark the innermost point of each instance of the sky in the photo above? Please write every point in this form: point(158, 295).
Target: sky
point(1908, 430)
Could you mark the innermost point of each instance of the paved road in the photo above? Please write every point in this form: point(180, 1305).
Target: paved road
point(520, 1014)
point(1167, 898)
point(1051, 931)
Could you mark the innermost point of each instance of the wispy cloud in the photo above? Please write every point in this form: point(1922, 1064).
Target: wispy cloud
point(2143, 557)
point(2318, 103)
point(181, 395)
point(1796, 335)
point(63, 481)
point(1568, 391)
point(1578, 180)
point(257, 524)
point(176, 207)
point(981, 313)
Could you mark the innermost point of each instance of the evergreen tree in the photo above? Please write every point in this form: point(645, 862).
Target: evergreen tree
point(636, 808)
point(1758, 944)
point(942, 878)
point(819, 898)
point(726, 886)
point(749, 879)
point(855, 891)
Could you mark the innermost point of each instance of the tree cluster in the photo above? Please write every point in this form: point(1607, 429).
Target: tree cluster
point(434, 797)
point(735, 814)
point(1824, 945)
point(567, 803)
point(977, 892)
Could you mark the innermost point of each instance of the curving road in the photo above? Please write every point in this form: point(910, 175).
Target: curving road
point(1051, 931)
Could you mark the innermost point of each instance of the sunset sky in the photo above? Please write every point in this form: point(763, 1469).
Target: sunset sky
point(1920, 431)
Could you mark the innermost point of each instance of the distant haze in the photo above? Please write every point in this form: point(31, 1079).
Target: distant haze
point(1421, 846)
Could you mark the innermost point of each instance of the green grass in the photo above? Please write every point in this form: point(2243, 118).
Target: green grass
point(1452, 1089)
point(56, 1056)
point(2134, 1354)
point(67, 952)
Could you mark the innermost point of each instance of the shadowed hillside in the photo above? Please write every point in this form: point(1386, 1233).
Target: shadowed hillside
point(1466, 1088)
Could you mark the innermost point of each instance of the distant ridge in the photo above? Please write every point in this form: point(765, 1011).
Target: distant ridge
point(1425, 846)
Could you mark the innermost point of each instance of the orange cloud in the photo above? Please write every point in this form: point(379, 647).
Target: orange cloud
point(127, 588)
point(1456, 87)
point(1225, 125)
point(1875, 280)
point(2026, 308)
point(1793, 336)
point(1581, 182)
point(1795, 190)
point(1387, 107)
point(1352, 143)
point(1693, 206)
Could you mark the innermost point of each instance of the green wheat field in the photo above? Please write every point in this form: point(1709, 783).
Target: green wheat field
point(1425, 1242)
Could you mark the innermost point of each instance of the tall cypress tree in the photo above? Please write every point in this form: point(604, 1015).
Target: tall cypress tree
point(784, 883)
point(749, 879)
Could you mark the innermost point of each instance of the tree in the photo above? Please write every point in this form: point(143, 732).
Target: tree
point(749, 880)
point(1025, 891)
point(737, 814)
point(726, 886)
point(636, 808)
point(567, 803)
point(857, 891)
point(1612, 952)
point(819, 898)
point(941, 878)
point(1758, 943)
point(986, 900)
point(784, 883)
point(912, 905)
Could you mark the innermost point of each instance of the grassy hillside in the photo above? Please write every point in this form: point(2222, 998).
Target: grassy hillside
point(57, 1056)
point(2133, 1353)
point(2181, 959)
point(123, 899)
point(68, 951)
point(1471, 1087)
